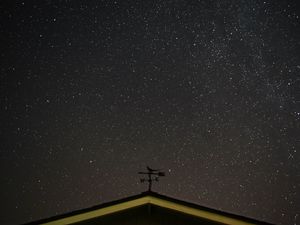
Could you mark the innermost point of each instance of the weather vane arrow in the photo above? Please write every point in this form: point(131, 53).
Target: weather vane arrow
point(152, 175)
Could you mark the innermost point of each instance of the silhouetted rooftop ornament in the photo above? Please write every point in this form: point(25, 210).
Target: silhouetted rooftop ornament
point(152, 175)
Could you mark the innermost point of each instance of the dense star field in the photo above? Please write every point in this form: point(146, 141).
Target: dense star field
point(93, 91)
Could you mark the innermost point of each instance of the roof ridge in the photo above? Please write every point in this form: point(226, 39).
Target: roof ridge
point(159, 200)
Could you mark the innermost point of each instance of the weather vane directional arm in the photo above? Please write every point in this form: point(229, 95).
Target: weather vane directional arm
point(152, 175)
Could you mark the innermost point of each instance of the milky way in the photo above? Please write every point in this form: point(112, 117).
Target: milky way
point(93, 91)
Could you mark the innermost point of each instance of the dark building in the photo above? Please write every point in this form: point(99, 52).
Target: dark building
point(148, 208)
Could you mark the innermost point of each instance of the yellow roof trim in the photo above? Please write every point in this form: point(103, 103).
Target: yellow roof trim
point(100, 212)
point(197, 212)
point(145, 200)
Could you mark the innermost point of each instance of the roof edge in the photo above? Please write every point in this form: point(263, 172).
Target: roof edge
point(154, 198)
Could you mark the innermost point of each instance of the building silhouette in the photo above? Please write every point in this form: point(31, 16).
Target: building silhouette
point(148, 208)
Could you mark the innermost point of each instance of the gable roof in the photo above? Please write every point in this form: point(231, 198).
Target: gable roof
point(151, 198)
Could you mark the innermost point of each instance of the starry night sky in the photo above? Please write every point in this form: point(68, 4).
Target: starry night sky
point(93, 91)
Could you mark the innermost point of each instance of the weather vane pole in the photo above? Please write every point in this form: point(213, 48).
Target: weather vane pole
point(152, 175)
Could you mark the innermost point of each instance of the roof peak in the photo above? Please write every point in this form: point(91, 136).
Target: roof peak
point(155, 199)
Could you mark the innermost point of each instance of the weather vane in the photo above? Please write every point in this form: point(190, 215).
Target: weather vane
point(152, 175)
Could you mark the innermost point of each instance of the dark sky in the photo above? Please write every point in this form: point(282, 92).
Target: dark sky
point(93, 91)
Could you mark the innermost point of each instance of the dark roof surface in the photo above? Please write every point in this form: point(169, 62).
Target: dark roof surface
point(153, 194)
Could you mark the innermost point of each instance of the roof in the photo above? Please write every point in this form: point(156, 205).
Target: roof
point(150, 198)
